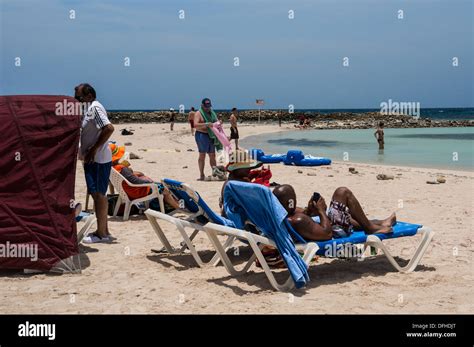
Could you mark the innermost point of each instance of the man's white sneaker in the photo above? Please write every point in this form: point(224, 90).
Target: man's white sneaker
point(93, 238)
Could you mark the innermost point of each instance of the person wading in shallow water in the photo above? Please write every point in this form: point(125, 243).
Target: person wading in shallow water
point(379, 135)
point(172, 119)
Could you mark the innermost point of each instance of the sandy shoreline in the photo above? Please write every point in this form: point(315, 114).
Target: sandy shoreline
point(126, 277)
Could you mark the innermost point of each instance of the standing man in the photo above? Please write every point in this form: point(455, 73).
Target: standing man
point(97, 157)
point(234, 132)
point(172, 119)
point(206, 141)
point(191, 119)
point(379, 135)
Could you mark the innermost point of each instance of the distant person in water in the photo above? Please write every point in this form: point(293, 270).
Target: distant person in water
point(343, 216)
point(307, 122)
point(379, 135)
point(172, 118)
point(191, 119)
point(234, 131)
point(301, 119)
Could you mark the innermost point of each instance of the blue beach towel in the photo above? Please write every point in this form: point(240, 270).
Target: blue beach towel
point(176, 188)
point(255, 202)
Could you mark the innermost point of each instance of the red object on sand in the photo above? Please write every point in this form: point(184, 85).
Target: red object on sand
point(261, 176)
point(38, 144)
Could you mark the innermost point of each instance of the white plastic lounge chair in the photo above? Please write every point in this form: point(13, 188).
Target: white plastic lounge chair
point(310, 249)
point(117, 179)
point(197, 213)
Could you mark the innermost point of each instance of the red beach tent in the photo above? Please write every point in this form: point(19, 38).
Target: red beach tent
point(39, 140)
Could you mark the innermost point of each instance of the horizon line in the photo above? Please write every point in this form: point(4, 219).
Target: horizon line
point(280, 109)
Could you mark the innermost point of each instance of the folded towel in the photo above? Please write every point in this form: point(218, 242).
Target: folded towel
point(211, 119)
point(175, 187)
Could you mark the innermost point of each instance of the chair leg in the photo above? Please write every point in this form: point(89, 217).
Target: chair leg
point(222, 253)
point(117, 206)
point(189, 244)
point(310, 251)
point(426, 236)
point(286, 286)
point(161, 235)
point(191, 238)
point(227, 245)
point(289, 284)
point(162, 204)
point(126, 211)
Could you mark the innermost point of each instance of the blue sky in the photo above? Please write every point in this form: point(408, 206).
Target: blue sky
point(299, 61)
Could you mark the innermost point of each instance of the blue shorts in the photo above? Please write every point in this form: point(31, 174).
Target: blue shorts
point(97, 177)
point(204, 142)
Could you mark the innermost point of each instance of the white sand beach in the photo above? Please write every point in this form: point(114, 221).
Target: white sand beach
point(126, 277)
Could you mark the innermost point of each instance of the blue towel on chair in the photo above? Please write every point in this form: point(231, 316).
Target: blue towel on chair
point(176, 189)
point(255, 202)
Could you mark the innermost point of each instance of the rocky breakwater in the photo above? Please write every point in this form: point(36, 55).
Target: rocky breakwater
point(336, 120)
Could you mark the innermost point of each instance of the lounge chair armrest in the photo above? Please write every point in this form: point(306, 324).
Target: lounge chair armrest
point(140, 185)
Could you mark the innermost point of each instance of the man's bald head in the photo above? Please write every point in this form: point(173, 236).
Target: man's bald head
point(287, 197)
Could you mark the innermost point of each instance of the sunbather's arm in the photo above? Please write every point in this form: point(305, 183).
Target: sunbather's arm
point(309, 229)
point(319, 208)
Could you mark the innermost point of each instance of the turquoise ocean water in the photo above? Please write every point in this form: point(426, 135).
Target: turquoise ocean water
point(444, 148)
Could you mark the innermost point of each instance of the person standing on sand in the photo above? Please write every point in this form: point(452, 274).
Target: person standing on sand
point(206, 141)
point(234, 131)
point(97, 157)
point(191, 119)
point(172, 118)
point(379, 135)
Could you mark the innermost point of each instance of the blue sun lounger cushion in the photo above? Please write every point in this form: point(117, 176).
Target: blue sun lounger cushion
point(401, 229)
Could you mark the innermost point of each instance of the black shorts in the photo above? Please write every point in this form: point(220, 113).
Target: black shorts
point(234, 133)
